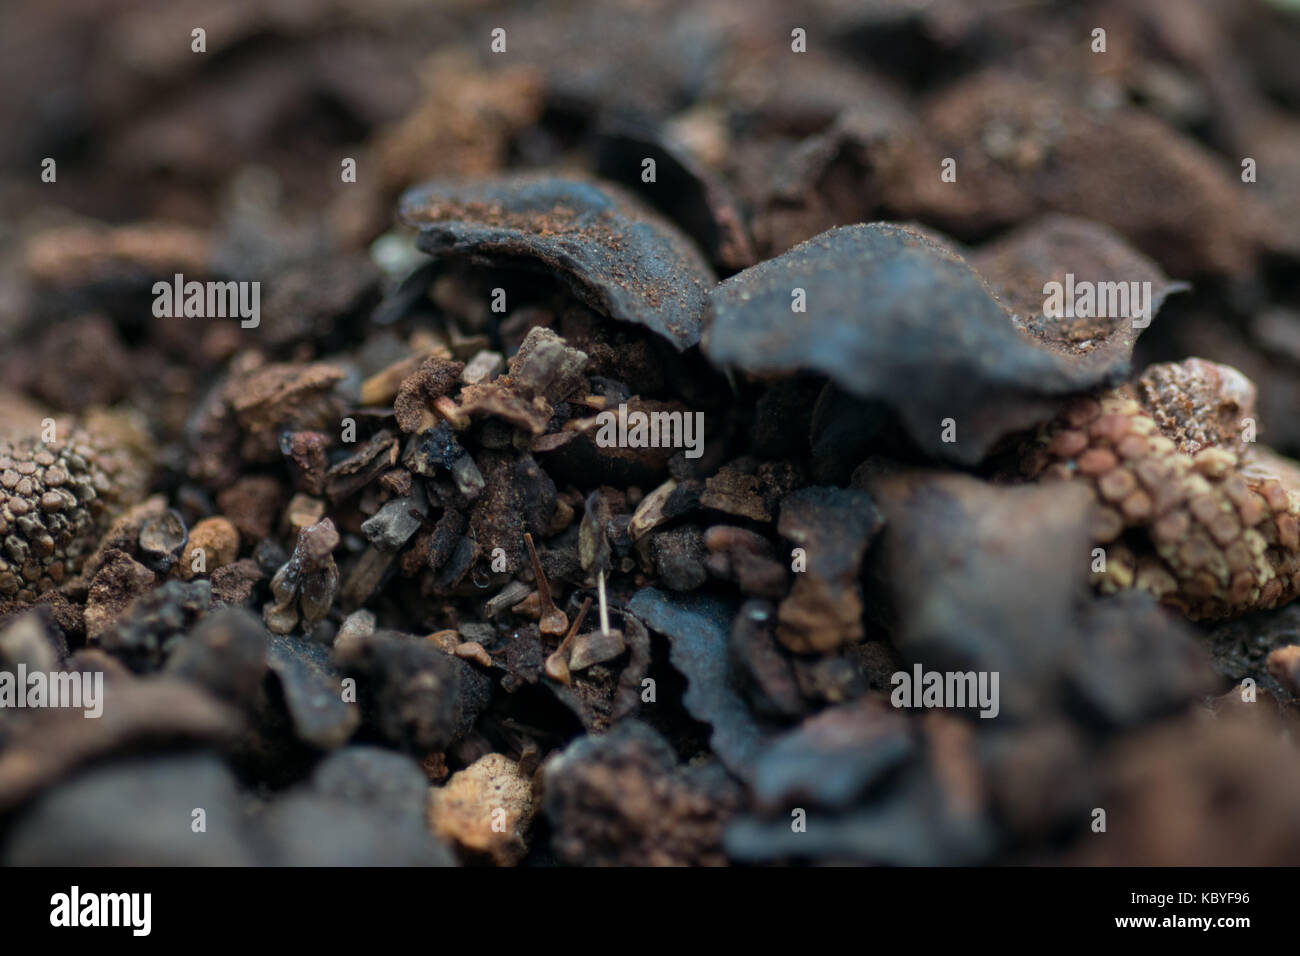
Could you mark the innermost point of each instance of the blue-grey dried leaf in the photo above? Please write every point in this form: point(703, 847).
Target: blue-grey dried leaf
point(990, 578)
point(893, 315)
point(617, 255)
point(683, 189)
point(137, 813)
point(306, 828)
point(764, 671)
point(698, 627)
point(313, 692)
point(985, 577)
point(374, 778)
point(139, 714)
point(911, 828)
point(833, 758)
point(871, 786)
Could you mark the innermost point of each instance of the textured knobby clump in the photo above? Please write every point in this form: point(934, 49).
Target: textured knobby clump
point(622, 799)
point(485, 809)
point(1192, 511)
point(54, 499)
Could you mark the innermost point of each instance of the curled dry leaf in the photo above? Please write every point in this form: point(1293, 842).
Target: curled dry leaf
point(1076, 253)
point(615, 254)
point(684, 189)
point(893, 315)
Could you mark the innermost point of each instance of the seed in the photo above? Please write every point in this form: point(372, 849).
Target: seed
point(1068, 444)
point(1133, 447)
point(1096, 461)
point(1110, 428)
point(1117, 484)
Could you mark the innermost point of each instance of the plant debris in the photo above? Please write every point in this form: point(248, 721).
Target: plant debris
point(632, 434)
point(619, 257)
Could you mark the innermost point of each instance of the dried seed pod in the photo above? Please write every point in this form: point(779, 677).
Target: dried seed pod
point(1166, 456)
point(306, 582)
point(596, 647)
point(162, 536)
point(557, 665)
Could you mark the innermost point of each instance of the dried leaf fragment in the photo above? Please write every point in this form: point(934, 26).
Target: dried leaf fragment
point(619, 257)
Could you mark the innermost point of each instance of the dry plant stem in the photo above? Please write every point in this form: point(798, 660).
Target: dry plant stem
point(551, 619)
point(557, 665)
point(604, 610)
